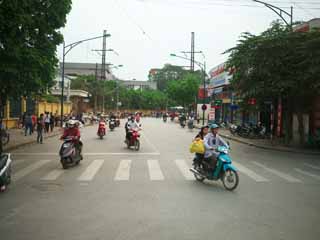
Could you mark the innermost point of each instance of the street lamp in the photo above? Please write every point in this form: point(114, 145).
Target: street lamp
point(279, 12)
point(66, 50)
point(203, 69)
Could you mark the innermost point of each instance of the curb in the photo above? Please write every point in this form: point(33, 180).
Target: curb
point(267, 147)
point(14, 147)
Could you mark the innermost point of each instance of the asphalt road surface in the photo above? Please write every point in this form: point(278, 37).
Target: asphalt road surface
point(117, 193)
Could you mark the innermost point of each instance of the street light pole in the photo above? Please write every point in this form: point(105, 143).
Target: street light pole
point(64, 53)
point(203, 69)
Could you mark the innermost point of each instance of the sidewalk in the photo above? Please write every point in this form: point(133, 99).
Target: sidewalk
point(265, 143)
point(18, 139)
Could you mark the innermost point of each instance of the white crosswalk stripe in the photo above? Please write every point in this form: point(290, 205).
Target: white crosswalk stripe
point(250, 173)
point(155, 172)
point(312, 166)
point(91, 170)
point(307, 173)
point(184, 169)
point(25, 171)
point(285, 176)
point(123, 172)
point(53, 175)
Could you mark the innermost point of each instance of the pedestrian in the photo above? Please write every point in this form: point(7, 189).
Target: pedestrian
point(23, 119)
point(28, 124)
point(34, 122)
point(51, 122)
point(198, 119)
point(40, 127)
point(47, 122)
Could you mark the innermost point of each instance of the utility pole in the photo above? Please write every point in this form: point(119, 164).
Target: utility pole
point(192, 52)
point(103, 65)
point(95, 96)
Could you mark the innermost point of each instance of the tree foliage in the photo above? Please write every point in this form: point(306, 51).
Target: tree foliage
point(278, 63)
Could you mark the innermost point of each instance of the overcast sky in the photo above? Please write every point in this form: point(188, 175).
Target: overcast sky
point(145, 32)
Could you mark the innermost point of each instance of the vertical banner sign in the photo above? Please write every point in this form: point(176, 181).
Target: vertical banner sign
point(279, 118)
point(212, 113)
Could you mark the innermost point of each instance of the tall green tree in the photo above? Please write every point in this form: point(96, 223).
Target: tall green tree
point(29, 36)
point(278, 64)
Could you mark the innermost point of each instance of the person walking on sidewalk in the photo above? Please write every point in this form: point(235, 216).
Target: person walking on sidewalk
point(47, 122)
point(51, 122)
point(34, 122)
point(40, 127)
point(28, 124)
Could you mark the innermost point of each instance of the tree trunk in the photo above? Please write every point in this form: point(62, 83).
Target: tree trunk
point(95, 103)
point(301, 128)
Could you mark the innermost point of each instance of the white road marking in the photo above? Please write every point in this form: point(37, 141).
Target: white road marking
point(53, 175)
point(155, 172)
point(250, 173)
point(92, 154)
point(307, 173)
point(312, 166)
point(184, 169)
point(285, 176)
point(91, 170)
point(123, 172)
point(25, 171)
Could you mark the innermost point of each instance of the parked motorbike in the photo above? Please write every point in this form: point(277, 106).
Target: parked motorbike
point(5, 171)
point(134, 140)
point(101, 130)
point(69, 154)
point(223, 171)
point(112, 124)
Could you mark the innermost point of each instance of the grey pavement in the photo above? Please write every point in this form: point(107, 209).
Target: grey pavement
point(116, 193)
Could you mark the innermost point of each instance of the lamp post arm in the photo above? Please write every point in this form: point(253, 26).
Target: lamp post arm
point(279, 12)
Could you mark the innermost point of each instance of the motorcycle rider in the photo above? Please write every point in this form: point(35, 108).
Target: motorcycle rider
point(182, 119)
point(102, 124)
point(73, 131)
point(211, 142)
point(200, 136)
point(131, 125)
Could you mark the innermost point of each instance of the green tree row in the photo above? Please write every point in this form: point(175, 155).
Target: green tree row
point(278, 64)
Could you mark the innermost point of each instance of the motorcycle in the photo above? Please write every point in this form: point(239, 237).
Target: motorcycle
point(5, 171)
point(69, 154)
point(164, 119)
point(112, 124)
point(182, 123)
point(190, 124)
point(223, 171)
point(101, 130)
point(117, 122)
point(134, 140)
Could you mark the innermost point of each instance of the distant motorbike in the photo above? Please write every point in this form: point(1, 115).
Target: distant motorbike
point(5, 171)
point(117, 122)
point(190, 124)
point(69, 154)
point(224, 170)
point(112, 124)
point(182, 123)
point(164, 119)
point(134, 140)
point(101, 130)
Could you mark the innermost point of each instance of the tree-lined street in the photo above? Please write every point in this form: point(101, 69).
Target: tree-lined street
point(116, 193)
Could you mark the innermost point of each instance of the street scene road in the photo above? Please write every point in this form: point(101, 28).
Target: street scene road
point(120, 193)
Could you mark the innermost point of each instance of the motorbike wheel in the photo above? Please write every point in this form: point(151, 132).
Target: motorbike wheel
point(137, 145)
point(64, 163)
point(230, 179)
point(101, 136)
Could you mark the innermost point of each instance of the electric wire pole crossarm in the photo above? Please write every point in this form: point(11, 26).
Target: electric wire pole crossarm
point(69, 47)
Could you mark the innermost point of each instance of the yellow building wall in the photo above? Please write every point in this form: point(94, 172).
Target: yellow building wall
point(41, 107)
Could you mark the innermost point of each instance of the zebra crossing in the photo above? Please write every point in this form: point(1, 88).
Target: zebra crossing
point(254, 171)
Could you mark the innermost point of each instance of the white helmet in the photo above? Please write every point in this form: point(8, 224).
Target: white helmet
point(72, 123)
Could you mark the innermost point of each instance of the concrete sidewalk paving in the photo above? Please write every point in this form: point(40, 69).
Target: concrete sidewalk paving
point(265, 143)
point(18, 139)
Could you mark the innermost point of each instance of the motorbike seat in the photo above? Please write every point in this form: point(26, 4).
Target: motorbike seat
point(3, 160)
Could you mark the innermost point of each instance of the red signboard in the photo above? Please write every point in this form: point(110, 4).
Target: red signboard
point(201, 93)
